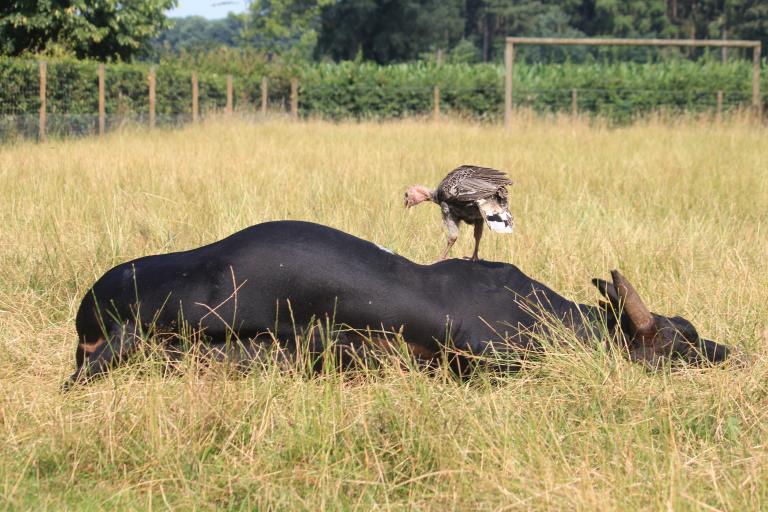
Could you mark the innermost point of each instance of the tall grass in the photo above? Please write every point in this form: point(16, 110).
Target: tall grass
point(679, 207)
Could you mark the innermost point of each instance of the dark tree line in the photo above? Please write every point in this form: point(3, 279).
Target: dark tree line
point(195, 33)
point(384, 31)
point(397, 30)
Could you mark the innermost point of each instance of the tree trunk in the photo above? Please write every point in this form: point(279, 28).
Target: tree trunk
point(486, 37)
point(473, 9)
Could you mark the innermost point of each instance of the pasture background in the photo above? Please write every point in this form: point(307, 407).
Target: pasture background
point(680, 207)
point(621, 92)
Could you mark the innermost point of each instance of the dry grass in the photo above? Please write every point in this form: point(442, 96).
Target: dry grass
point(680, 208)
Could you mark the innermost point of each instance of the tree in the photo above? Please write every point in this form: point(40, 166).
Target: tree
point(195, 33)
point(100, 29)
point(285, 27)
point(495, 19)
point(747, 19)
point(634, 18)
point(389, 30)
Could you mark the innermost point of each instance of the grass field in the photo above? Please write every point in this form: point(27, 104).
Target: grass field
point(681, 208)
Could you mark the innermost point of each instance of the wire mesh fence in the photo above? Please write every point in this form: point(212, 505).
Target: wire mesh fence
point(60, 99)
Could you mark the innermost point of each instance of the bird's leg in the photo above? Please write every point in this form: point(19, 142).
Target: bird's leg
point(453, 235)
point(478, 236)
point(451, 240)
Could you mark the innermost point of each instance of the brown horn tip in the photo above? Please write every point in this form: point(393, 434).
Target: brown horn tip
point(639, 314)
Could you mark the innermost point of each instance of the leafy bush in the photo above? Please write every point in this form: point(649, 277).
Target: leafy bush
point(617, 91)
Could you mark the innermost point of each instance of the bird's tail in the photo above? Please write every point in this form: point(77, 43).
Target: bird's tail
point(496, 216)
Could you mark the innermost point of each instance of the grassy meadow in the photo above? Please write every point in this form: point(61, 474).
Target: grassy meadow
point(681, 207)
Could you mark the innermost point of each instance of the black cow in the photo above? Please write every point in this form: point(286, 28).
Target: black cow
point(279, 276)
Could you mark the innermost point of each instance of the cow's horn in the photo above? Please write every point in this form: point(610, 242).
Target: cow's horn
point(638, 312)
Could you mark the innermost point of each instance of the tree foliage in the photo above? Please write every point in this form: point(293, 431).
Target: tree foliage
point(101, 29)
point(747, 19)
point(195, 33)
point(286, 27)
point(489, 20)
point(387, 30)
point(383, 31)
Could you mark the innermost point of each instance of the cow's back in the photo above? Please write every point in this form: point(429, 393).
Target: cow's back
point(279, 276)
point(240, 281)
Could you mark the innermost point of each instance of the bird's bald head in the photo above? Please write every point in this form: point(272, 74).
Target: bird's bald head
point(416, 194)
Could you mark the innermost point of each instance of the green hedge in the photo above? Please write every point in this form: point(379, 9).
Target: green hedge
point(617, 91)
point(369, 90)
point(72, 95)
point(625, 90)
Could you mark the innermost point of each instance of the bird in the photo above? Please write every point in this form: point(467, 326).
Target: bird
point(472, 194)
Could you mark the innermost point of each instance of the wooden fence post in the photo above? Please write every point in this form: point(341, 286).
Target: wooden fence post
point(756, 100)
point(724, 49)
point(295, 98)
point(229, 94)
point(152, 97)
point(509, 62)
point(41, 121)
point(719, 111)
point(194, 97)
point(436, 101)
point(574, 102)
point(264, 94)
point(102, 117)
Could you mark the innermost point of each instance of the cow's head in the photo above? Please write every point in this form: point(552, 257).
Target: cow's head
point(651, 338)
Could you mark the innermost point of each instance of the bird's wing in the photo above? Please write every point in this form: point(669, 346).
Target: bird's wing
point(471, 182)
point(496, 215)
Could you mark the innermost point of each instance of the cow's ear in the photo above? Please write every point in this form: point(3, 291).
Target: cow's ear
point(610, 313)
point(607, 290)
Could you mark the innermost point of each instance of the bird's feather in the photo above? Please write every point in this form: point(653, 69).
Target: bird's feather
point(498, 217)
point(469, 183)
